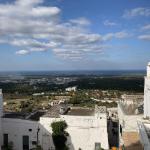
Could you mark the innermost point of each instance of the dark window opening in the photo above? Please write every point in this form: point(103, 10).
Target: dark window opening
point(5, 138)
point(25, 142)
point(97, 146)
point(34, 143)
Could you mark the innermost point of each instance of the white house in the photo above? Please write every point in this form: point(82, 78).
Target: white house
point(144, 125)
point(87, 128)
point(147, 93)
point(134, 125)
point(69, 89)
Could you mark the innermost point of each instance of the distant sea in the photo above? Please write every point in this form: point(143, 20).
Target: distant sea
point(76, 73)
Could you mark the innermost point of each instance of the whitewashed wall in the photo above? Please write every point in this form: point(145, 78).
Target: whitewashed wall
point(128, 122)
point(16, 128)
point(84, 131)
point(147, 97)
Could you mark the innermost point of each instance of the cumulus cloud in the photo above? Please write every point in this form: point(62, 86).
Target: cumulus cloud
point(31, 27)
point(145, 37)
point(33, 45)
point(146, 27)
point(140, 11)
point(109, 23)
point(28, 3)
point(118, 35)
point(80, 21)
point(22, 52)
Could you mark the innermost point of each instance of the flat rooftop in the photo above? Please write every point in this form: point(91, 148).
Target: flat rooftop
point(14, 115)
point(131, 109)
point(35, 116)
point(54, 111)
point(81, 112)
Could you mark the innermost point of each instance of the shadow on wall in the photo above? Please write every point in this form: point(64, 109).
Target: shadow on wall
point(69, 143)
point(46, 140)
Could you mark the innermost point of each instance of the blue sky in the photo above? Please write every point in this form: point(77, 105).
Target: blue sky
point(74, 34)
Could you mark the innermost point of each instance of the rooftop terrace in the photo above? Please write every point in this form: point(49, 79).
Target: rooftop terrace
point(81, 111)
point(131, 109)
point(34, 116)
point(55, 112)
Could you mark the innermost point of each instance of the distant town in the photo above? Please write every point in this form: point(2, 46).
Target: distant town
point(27, 92)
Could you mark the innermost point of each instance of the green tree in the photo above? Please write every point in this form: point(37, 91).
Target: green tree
point(79, 97)
point(59, 135)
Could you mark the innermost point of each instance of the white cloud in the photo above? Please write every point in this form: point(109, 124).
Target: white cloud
point(22, 52)
point(28, 25)
point(145, 37)
point(28, 3)
point(34, 45)
point(80, 21)
point(146, 27)
point(121, 35)
point(109, 23)
point(45, 11)
point(118, 35)
point(140, 11)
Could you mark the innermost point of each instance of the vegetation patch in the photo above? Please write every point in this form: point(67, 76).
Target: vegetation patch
point(59, 135)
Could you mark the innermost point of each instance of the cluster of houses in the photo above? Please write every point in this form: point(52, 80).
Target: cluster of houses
point(87, 127)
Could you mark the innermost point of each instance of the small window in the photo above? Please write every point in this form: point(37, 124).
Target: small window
point(30, 130)
point(34, 142)
point(97, 146)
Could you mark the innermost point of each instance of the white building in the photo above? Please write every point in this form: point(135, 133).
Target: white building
point(131, 99)
point(134, 125)
point(144, 125)
point(69, 89)
point(147, 93)
point(87, 128)
point(130, 111)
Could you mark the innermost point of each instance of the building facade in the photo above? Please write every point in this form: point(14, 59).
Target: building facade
point(134, 124)
point(144, 125)
point(1, 114)
point(147, 93)
point(87, 128)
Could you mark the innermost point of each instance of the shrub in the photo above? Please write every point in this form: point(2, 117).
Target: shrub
point(59, 135)
point(59, 127)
